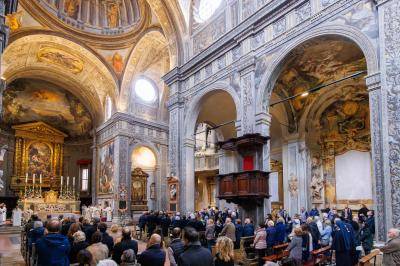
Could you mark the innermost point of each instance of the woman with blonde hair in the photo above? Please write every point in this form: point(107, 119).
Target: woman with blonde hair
point(115, 233)
point(224, 252)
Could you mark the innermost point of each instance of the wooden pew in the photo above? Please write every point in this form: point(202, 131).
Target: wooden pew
point(366, 260)
point(318, 256)
point(279, 253)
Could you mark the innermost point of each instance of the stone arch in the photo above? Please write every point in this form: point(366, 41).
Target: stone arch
point(276, 66)
point(20, 60)
point(193, 106)
point(147, 144)
point(152, 38)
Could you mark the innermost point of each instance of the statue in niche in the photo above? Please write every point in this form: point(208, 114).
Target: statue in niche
point(293, 185)
point(71, 8)
point(113, 15)
point(317, 182)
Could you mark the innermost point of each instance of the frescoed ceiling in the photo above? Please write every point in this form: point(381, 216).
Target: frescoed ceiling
point(30, 100)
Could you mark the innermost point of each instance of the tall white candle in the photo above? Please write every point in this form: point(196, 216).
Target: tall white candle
point(26, 178)
point(73, 181)
point(67, 181)
point(40, 178)
point(33, 179)
point(61, 180)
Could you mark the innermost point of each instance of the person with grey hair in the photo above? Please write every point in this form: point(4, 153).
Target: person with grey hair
point(128, 258)
point(36, 233)
point(391, 251)
point(78, 245)
point(107, 262)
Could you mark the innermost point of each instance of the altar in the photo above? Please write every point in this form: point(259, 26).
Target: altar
point(50, 204)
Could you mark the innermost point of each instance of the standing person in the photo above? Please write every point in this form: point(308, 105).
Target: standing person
point(53, 248)
point(229, 230)
point(391, 251)
point(344, 244)
point(3, 212)
point(78, 244)
point(153, 255)
point(194, 254)
point(315, 233)
point(16, 216)
point(238, 233)
point(142, 223)
point(283, 213)
point(303, 215)
point(260, 242)
point(271, 237)
point(224, 252)
point(362, 212)
point(176, 247)
point(371, 221)
point(280, 231)
point(106, 239)
point(295, 248)
point(314, 212)
point(210, 233)
point(115, 233)
point(165, 223)
point(347, 214)
point(248, 228)
point(307, 242)
point(97, 249)
point(126, 243)
point(326, 233)
point(366, 238)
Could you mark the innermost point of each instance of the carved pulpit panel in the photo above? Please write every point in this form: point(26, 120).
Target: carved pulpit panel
point(139, 188)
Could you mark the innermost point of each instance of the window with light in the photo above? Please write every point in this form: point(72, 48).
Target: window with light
point(145, 90)
point(206, 9)
point(84, 178)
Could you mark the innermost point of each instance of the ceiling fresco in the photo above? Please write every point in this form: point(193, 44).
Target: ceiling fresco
point(313, 63)
point(30, 100)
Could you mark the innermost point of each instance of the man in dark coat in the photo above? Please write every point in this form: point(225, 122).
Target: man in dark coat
point(194, 254)
point(280, 228)
point(126, 243)
point(106, 239)
point(362, 213)
point(142, 223)
point(154, 255)
point(344, 244)
point(238, 233)
point(53, 248)
point(165, 223)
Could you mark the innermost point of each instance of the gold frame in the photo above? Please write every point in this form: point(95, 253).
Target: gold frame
point(25, 136)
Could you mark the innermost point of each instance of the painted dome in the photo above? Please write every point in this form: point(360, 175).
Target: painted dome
point(100, 17)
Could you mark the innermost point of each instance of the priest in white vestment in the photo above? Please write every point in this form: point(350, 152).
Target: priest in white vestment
point(3, 214)
point(108, 211)
point(16, 216)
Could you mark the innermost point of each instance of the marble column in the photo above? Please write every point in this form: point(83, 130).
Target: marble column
point(389, 50)
point(295, 185)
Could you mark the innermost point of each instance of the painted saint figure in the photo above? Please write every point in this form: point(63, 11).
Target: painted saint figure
point(71, 8)
point(113, 16)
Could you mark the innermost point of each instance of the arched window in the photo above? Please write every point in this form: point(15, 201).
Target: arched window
point(108, 107)
point(206, 9)
point(145, 90)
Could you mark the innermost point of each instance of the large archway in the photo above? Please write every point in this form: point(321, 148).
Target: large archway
point(212, 119)
point(323, 129)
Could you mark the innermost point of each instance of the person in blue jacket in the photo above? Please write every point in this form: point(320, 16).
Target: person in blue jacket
point(53, 248)
point(248, 228)
point(280, 228)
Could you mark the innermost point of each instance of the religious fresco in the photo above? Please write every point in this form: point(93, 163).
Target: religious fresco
point(29, 100)
point(314, 63)
point(39, 159)
point(106, 178)
point(71, 8)
point(60, 58)
point(14, 21)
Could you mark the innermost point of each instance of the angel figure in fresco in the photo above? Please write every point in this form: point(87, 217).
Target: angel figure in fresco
point(113, 16)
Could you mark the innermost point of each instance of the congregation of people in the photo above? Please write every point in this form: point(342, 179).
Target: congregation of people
point(193, 238)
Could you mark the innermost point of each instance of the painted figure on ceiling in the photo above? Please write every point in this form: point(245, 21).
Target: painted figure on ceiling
point(113, 16)
point(71, 8)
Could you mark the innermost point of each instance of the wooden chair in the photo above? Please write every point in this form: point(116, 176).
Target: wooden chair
point(318, 256)
point(366, 260)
